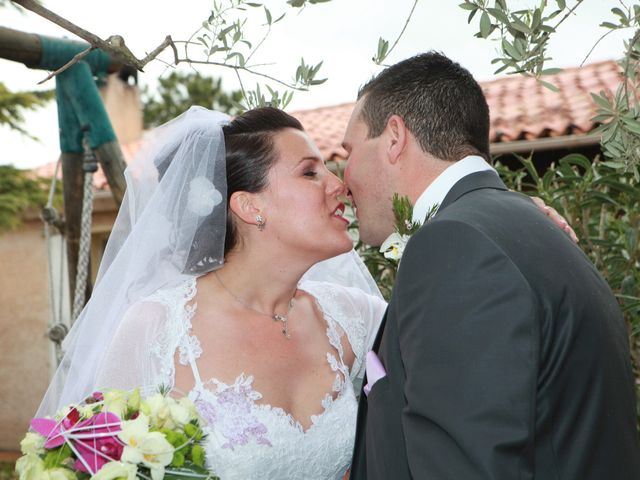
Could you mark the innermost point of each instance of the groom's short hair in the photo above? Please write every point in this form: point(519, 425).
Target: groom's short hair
point(440, 102)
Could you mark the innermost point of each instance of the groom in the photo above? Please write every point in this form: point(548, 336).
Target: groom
point(503, 353)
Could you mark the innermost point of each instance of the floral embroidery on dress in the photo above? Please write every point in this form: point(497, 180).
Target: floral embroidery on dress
point(229, 409)
point(249, 440)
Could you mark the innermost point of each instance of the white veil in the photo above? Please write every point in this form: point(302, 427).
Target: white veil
point(171, 226)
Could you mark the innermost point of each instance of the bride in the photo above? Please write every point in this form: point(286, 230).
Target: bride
point(208, 286)
point(230, 276)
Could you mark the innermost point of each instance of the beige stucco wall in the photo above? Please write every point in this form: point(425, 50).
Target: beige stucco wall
point(24, 348)
point(26, 354)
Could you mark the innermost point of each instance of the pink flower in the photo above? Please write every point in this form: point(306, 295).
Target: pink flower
point(95, 440)
point(97, 447)
point(54, 430)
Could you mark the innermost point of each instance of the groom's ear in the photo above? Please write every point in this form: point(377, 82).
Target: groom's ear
point(397, 136)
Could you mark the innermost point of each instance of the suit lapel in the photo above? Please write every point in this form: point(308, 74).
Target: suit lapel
point(473, 181)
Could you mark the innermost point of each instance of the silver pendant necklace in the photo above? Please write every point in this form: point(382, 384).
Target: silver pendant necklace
point(276, 317)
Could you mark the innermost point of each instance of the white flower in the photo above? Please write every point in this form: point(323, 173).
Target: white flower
point(188, 404)
point(32, 443)
point(115, 401)
point(393, 246)
point(133, 431)
point(141, 446)
point(30, 467)
point(181, 415)
point(58, 474)
point(116, 471)
point(157, 407)
point(203, 196)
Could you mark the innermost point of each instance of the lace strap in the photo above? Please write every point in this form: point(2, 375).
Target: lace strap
point(192, 363)
point(189, 345)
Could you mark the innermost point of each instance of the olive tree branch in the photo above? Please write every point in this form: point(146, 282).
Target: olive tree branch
point(114, 45)
point(406, 23)
point(73, 61)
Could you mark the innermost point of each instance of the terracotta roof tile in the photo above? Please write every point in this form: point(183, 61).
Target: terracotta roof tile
point(520, 109)
point(129, 151)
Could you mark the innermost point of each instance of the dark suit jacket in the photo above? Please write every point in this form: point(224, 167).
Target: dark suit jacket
point(506, 354)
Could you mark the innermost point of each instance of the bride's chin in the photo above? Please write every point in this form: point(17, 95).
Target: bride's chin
point(343, 246)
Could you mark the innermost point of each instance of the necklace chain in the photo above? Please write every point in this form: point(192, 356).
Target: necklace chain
point(276, 317)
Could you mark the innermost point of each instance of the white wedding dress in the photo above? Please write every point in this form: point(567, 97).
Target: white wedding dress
point(247, 439)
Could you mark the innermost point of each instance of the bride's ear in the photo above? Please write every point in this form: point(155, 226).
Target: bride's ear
point(245, 206)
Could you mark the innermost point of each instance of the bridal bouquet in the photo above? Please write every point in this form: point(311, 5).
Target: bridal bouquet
point(116, 435)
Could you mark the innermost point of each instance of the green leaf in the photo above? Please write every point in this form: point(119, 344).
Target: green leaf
point(510, 50)
point(549, 86)
point(239, 56)
point(498, 15)
point(485, 25)
point(520, 26)
point(632, 125)
point(268, 14)
point(468, 6)
point(602, 101)
point(619, 13)
point(537, 19)
point(576, 159)
point(609, 25)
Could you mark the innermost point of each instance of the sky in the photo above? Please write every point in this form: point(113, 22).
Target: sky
point(342, 33)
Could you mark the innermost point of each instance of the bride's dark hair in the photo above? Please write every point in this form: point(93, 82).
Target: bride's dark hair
point(250, 153)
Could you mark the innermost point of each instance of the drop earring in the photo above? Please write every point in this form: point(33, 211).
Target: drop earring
point(260, 221)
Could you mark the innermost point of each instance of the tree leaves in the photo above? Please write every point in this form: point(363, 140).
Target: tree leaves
point(13, 105)
point(19, 192)
point(178, 91)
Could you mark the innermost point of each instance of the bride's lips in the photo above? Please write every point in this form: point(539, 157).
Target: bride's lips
point(338, 213)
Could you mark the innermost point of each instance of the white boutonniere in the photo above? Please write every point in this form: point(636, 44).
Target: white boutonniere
point(393, 247)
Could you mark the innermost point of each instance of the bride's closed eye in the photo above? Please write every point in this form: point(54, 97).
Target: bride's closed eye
point(310, 173)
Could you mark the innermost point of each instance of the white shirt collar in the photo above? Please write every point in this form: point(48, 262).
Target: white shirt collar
point(435, 193)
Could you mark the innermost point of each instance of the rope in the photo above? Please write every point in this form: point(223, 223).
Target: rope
point(57, 330)
point(89, 166)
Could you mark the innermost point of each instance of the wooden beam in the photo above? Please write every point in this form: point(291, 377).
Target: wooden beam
point(111, 160)
point(73, 188)
point(20, 46)
point(548, 143)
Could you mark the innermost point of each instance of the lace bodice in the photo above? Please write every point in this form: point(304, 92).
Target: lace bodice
point(247, 439)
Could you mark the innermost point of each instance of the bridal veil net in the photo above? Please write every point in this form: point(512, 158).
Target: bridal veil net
point(170, 227)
